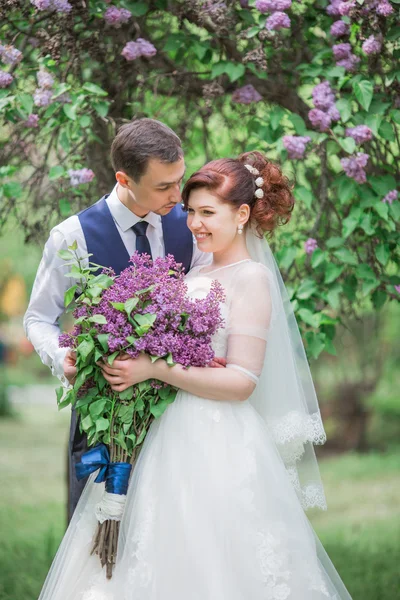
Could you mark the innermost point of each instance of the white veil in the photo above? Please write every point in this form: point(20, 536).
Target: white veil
point(285, 396)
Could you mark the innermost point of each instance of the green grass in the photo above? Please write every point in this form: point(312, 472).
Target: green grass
point(360, 531)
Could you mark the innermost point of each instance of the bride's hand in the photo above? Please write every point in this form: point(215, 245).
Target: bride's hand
point(126, 372)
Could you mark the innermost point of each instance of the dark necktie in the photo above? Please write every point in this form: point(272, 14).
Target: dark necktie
point(142, 242)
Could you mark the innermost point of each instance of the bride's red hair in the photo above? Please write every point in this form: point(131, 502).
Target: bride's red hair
point(234, 184)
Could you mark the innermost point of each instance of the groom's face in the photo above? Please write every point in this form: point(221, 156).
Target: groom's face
point(159, 188)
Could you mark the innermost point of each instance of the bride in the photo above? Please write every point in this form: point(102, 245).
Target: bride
point(214, 509)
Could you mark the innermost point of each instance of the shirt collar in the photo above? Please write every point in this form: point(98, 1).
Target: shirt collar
point(124, 217)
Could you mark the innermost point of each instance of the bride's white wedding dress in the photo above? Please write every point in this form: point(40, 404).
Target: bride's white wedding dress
point(212, 511)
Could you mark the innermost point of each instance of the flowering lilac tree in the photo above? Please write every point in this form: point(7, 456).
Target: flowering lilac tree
point(316, 86)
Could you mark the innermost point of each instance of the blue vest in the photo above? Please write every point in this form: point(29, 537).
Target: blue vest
point(105, 244)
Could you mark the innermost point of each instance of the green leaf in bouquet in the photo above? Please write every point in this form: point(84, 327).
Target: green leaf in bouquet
point(146, 320)
point(154, 359)
point(125, 413)
point(131, 340)
point(100, 319)
point(139, 404)
point(97, 355)
point(94, 291)
point(120, 440)
point(141, 436)
point(87, 423)
point(66, 255)
point(170, 360)
point(158, 409)
point(167, 393)
point(69, 295)
point(87, 398)
point(126, 394)
point(382, 253)
point(85, 348)
point(104, 281)
point(112, 357)
point(59, 393)
point(118, 306)
point(102, 424)
point(130, 304)
point(132, 437)
point(97, 407)
point(73, 246)
point(82, 376)
point(103, 340)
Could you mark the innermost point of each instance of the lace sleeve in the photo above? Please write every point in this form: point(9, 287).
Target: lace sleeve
point(249, 320)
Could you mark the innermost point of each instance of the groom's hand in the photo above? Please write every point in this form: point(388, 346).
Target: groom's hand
point(70, 366)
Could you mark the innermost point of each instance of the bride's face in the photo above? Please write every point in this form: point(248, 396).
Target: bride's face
point(213, 223)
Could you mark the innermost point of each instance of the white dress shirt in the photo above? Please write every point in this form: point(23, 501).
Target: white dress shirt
point(41, 321)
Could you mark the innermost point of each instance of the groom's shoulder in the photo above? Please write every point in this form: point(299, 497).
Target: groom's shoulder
point(70, 227)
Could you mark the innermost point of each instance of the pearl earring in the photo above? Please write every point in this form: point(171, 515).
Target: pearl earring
point(240, 229)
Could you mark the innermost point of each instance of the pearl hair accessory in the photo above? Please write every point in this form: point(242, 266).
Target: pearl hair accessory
point(259, 193)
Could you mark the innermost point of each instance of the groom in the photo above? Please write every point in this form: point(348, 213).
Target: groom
point(143, 213)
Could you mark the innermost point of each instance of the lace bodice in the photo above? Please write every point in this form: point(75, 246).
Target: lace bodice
point(246, 312)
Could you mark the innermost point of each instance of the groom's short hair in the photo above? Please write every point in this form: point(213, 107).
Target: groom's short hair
point(139, 141)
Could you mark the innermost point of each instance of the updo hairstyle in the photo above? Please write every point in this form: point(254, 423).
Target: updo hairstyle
point(228, 179)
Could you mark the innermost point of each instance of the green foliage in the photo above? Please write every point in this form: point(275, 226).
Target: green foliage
point(205, 53)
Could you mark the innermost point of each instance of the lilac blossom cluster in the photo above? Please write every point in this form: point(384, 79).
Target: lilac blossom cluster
point(10, 55)
point(344, 56)
point(181, 327)
point(141, 47)
point(310, 245)
point(246, 95)
point(354, 166)
point(339, 29)
point(391, 196)
point(60, 6)
point(116, 17)
point(6, 79)
point(372, 45)
point(43, 94)
point(346, 7)
point(278, 19)
point(79, 176)
point(325, 110)
point(360, 133)
point(295, 145)
point(32, 121)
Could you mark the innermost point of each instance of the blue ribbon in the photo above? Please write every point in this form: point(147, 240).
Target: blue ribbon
point(116, 475)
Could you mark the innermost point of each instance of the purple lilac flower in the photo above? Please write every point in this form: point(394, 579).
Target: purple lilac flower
point(10, 55)
point(278, 20)
point(42, 97)
point(384, 8)
point(341, 51)
point(32, 121)
point(45, 80)
point(333, 8)
point(391, 196)
point(360, 133)
point(5, 79)
point(310, 245)
point(319, 119)
point(61, 6)
point(349, 63)
point(41, 4)
point(345, 7)
point(333, 113)
point(244, 3)
point(354, 166)
point(141, 47)
point(295, 145)
point(323, 96)
point(339, 29)
point(372, 45)
point(116, 16)
point(397, 288)
point(272, 5)
point(246, 95)
point(79, 176)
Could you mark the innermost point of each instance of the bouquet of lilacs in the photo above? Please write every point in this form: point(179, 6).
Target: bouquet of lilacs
point(144, 309)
